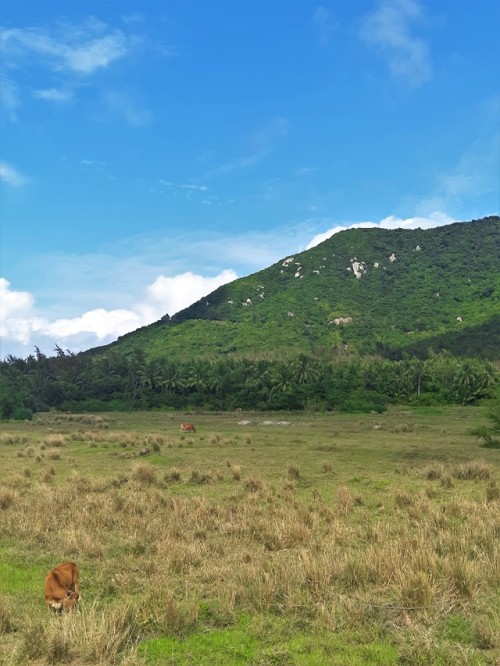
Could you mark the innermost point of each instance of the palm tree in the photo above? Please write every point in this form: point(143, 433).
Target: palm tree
point(283, 377)
point(198, 375)
point(172, 379)
point(304, 369)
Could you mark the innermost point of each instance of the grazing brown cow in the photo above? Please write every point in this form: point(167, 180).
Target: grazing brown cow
point(61, 587)
point(187, 427)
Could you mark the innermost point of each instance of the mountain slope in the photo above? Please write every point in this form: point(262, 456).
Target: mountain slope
point(371, 289)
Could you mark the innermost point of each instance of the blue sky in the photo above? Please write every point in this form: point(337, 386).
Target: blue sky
point(151, 151)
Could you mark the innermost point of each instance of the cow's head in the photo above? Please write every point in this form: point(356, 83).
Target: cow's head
point(70, 600)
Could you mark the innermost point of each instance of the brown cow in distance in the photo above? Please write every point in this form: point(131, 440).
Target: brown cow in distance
point(187, 427)
point(61, 587)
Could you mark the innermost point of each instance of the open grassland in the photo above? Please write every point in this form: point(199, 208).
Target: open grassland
point(303, 539)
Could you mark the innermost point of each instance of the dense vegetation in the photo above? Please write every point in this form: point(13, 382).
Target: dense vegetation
point(367, 318)
point(418, 292)
point(114, 381)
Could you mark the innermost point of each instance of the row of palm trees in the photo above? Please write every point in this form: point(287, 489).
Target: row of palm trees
point(67, 380)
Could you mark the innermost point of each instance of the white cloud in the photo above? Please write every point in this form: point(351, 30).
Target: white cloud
point(54, 95)
point(184, 186)
point(9, 97)
point(11, 175)
point(436, 219)
point(71, 53)
point(101, 323)
point(96, 54)
point(388, 28)
point(17, 318)
point(22, 327)
point(172, 294)
point(79, 49)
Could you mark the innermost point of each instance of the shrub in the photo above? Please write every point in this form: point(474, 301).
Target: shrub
point(22, 414)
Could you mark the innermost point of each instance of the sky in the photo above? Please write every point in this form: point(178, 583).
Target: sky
point(152, 151)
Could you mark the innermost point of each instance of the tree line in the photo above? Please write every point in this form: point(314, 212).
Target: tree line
point(118, 382)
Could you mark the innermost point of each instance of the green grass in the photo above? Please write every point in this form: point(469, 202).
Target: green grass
point(266, 641)
point(342, 539)
point(18, 577)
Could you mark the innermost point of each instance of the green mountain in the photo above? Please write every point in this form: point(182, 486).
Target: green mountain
point(375, 291)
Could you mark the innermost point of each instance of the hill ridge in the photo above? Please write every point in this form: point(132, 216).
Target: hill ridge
point(374, 290)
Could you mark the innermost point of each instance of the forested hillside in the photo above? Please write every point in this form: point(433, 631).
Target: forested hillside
point(366, 319)
point(372, 290)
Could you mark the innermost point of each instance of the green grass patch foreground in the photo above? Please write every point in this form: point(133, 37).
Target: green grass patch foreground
point(265, 642)
point(261, 539)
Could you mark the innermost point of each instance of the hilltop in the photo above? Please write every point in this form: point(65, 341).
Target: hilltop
point(371, 290)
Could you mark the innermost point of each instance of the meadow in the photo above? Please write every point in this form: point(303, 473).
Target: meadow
point(262, 539)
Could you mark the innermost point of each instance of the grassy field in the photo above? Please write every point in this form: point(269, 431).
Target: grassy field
point(277, 539)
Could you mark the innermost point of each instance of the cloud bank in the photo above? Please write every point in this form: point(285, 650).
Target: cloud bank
point(22, 327)
point(436, 219)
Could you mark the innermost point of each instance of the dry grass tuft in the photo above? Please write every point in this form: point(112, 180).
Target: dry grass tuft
point(492, 492)
point(144, 474)
point(90, 636)
point(345, 501)
point(48, 475)
point(55, 441)
point(447, 481)
point(6, 621)
point(7, 498)
point(236, 472)
point(404, 499)
point(433, 471)
point(475, 469)
point(215, 438)
point(173, 476)
point(327, 466)
point(202, 477)
point(253, 484)
point(488, 634)
point(293, 472)
point(8, 438)
point(418, 591)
